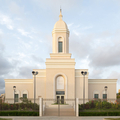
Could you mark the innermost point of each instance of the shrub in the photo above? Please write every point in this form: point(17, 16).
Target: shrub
point(98, 104)
point(18, 113)
point(99, 113)
point(25, 106)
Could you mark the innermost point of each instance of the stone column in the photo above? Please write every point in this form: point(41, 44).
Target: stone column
point(40, 106)
point(77, 108)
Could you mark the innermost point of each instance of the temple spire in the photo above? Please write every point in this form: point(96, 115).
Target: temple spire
point(60, 16)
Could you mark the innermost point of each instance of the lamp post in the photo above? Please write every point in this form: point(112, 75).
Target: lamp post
point(14, 87)
point(84, 73)
point(106, 91)
point(34, 73)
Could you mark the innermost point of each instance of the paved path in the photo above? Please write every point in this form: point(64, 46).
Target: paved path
point(60, 118)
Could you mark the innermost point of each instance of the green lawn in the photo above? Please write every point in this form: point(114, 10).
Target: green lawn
point(112, 118)
point(108, 110)
point(5, 119)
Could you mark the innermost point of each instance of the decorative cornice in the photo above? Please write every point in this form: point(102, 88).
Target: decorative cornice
point(60, 55)
point(18, 80)
point(92, 81)
point(81, 76)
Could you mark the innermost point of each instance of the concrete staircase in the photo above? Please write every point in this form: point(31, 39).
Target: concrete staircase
point(61, 110)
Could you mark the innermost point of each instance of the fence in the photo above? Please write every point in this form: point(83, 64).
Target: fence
point(66, 107)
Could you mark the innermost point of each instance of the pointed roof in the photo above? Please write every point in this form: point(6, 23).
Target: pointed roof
point(60, 24)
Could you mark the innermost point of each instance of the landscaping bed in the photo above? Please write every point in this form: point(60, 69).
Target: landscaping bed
point(5, 119)
point(99, 108)
point(99, 113)
point(19, 113)
point(111, 118)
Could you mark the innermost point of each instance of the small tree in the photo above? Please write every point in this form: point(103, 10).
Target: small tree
point(25, 100)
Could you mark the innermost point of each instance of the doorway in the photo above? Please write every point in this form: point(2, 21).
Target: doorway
point(60, 99)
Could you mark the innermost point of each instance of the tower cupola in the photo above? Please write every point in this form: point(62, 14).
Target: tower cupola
point(60, 35)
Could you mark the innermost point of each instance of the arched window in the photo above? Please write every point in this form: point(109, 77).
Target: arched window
point(25, 94)
point(60, 83)
point(104, 95)
point(60, 44)
point(60, 47)
point(96, 95)
point(17, 95)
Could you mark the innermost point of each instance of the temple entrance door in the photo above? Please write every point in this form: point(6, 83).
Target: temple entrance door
point(60, 99)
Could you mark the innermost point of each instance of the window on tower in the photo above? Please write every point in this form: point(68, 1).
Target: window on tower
point(60, 47)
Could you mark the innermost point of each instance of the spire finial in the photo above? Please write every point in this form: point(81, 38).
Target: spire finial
point(60, 8)
point(60, 16)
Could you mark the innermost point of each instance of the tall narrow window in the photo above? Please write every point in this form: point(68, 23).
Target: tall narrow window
point(16, 97)
point(96, 96)
point(104, 96)
point(24, 95)
point(60, 47)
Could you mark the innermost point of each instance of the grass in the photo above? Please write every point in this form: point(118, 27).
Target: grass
point(5, 119)
point(100, 110)
point(112, 118)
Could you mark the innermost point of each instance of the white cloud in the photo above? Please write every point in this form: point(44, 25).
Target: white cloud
point(69, 25)
point(30, 37)
point(23, 32)
point(5, 20)
point(76, 33)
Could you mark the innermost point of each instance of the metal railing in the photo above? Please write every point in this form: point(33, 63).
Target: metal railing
point(59, 107)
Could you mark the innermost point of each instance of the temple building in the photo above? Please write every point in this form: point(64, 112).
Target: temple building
point(60, 79)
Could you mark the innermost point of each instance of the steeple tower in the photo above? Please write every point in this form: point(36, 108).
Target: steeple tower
point(60, 35)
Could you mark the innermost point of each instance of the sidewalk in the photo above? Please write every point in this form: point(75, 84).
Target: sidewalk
point(59, 118)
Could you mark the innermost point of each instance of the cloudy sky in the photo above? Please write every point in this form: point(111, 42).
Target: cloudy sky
point(26, 36)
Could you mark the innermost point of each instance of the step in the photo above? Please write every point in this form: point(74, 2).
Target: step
point(51, 109)
point(60, 113)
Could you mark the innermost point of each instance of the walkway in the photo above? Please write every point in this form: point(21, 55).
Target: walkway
point(64, 110)
point(60, 118)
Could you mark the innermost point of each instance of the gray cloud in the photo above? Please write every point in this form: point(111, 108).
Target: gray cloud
point(5, 65)
point(80, 46)
point(37, 59)
point(105, 56)
point(96, 73)
point(25, 72)
point(102, 49)
point(2, 91)
point(114, 75)
point(107, 50)
point(2, 85)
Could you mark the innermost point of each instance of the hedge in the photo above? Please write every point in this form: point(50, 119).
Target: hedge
point(19, 113)
point(99, 113)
